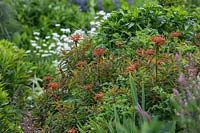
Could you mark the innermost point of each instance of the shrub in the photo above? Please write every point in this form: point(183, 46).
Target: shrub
point(9, 119)
point(8, 22)
point(124, 24)
point(15, 72)
point(186, 95)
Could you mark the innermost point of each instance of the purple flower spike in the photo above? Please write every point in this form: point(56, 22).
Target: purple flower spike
point(116, 4)
point(175, 91)
point(144, 114)
point(100, 4)
point(181, 79)
point(130, 2)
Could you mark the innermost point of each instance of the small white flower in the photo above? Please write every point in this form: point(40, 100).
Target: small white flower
point(28, 51)
point(53, 52)
point(92, 23)
point(57, 25)
point(56, 35)
point(102, 13)
point(33, 41)
point(38, 47)
point(67, 30)
point(34, 44)
point(37, 38)
point(63, 37)
point(47, 37)
point(46, 51)
point(36, 33)
point(44, 44)
point(66, 46)
point(98, 24)
point(45, 55)
point(41, 51)
point(60, 44)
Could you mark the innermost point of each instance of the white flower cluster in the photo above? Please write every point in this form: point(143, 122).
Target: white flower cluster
point(101, 17)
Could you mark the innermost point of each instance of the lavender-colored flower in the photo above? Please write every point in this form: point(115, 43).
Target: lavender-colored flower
point(100, 4)
point(191, 61)
point(181, 79)
point(191, 22)
point(175, 91)
point(130, 2)
point(178, 62)
point(116, 4)
point(142, 113)
point(82, 5)
point(187, 95)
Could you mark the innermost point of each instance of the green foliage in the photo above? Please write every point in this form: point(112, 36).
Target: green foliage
point(124, 24)
point(8, 23)
point(171, 2)
point(9, 119)
point(15, 72)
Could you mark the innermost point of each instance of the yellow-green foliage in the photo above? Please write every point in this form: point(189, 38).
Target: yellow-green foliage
point(14, 71)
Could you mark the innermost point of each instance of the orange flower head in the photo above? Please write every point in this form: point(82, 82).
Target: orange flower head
point(75, 37)
point(47, 78)
point(81, 64)
point(159, 61)
point(99, 96)
point(150, 51)
point(86, 47)
point(158, 40)
point(71, 131)
point(174, 34)
point(198, 35)
point(53, 85)
point(130, 68)
point(118, 44)
point(98, 51)
point(140, 52)
point(88, 87)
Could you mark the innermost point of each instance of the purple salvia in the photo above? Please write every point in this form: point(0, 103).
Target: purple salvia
point(191, 61)
point(181, 79)
point(187, 95)
point(178, 61)
point(147, 116)
point(116, 4)
point(100, 4)
point(138, 109)
point(81, 4)
point(144, 114)
point(187, 68)
point(130, 2)
point(176, 92)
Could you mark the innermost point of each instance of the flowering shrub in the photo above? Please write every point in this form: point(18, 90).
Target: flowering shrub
point(186, 99)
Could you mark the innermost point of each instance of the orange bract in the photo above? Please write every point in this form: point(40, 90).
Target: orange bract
point(158, 40)
point(99, 96)
point(75, 37)
point(150, 51)
point(98, 51)
point(130, 68)
point(118, 44)
point(140, 52)
point(88, 87)
point(71, 131)
point(53, 85)
point(47, 78)
point(81, 64)
point(174, 34)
